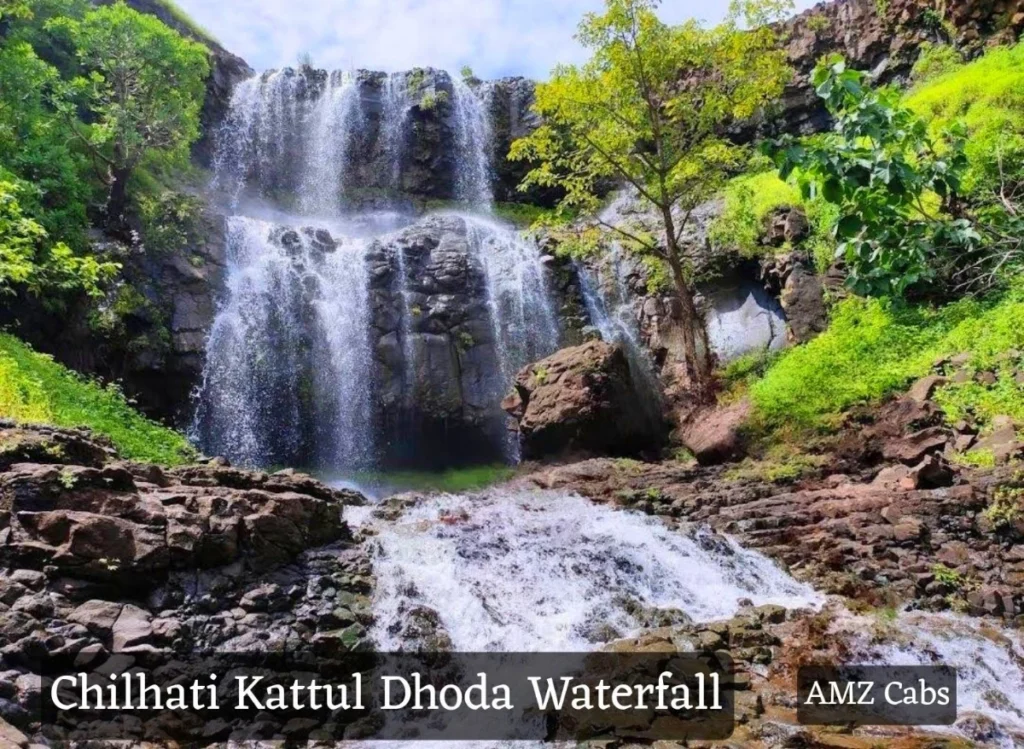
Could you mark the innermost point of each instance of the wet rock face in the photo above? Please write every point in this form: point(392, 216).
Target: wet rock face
point(438, 375)
point(580, 400)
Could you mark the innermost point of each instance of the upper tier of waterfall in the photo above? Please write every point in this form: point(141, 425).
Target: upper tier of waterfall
point(355, 335)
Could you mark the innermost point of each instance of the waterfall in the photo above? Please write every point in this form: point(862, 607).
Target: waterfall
point(260, 131)
point(285, 379)
point(525, 321)
point(334, 123)
point(298, 370)
point(473, 143)
point(395, 119)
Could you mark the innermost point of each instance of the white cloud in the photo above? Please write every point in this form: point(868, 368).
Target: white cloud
point(494, 37)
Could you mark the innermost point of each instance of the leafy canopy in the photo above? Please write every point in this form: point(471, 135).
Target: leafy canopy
point(652, 108)
point(143, 84)
point(29, 260)
point(895, 185)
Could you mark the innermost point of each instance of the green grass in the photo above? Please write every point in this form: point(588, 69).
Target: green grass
point(452, 481)
point(749, 201)
point(187, 21)
point(874, 348)
point(986, 95)
point(523, 215)
point(35, 389)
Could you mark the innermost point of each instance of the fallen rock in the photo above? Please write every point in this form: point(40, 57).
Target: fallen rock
point(580, 400)
point(713, 434)
point(97, 616)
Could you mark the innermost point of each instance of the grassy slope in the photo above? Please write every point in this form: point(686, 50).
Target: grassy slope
point(35, 389)
point(874, 348)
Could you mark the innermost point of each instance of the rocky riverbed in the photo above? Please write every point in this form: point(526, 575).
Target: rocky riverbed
point(107, 561)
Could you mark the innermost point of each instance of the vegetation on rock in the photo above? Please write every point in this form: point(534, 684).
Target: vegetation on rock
point(34, 389)
point(875, 347)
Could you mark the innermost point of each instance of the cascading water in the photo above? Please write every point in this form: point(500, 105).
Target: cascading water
point(288, 352)
point(473, 140)
point(394, 121)
point(525, 321)
point(334, 122)
point(292, 368)
point(523, 571)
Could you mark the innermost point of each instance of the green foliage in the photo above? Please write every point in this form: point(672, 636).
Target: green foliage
point(881, 168)
point(433, 99)
point(1006, 507)
point(935, 60)
point(651, 110)
point(979, 403)
point(29, 260)
point(524, 215)
point(169, 220)
point(540, 375)
point(34, 388)
point(948, 576)
point(143, 85)
point(975, 459)
point(987, 97)
point(187, 22)
point(623, 116)
point(468, 76)
point(35, 149)
point(875, 347)
point(750, 200)
point(783, 468)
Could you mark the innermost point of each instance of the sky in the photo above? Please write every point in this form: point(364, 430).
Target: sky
point(494, 37)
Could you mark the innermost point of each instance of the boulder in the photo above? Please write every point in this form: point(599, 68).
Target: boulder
point(112, 525)
point(580, 400)
point(713, 434)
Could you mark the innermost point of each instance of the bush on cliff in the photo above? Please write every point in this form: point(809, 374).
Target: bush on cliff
point(987, 96)
point(875, 347)
point(35, 389)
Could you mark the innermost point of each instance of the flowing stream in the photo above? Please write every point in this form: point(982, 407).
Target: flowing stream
point(291, 372)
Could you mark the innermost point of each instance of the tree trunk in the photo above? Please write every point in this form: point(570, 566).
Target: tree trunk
point(698, 362)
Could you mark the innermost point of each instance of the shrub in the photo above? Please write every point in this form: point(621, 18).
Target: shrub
point(34, 389)
point(875, 347)
point(750, 200)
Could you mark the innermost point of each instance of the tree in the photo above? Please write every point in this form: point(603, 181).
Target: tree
point(28, 260)
point(142, 85)
point(652, 110)
point(901, 219)
point(34, 146)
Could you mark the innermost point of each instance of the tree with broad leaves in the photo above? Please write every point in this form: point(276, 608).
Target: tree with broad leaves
point(652, 110)
point(141, 88)
point(902, 220)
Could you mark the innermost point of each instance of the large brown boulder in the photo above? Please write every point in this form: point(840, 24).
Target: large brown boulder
point(581, 400)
